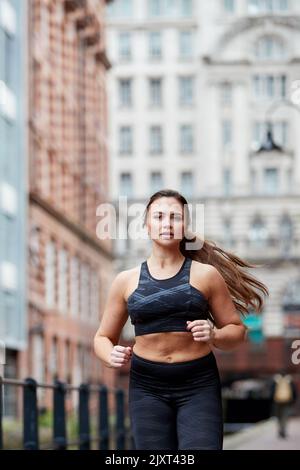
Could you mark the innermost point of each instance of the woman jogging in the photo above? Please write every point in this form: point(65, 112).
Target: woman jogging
point(182, 302)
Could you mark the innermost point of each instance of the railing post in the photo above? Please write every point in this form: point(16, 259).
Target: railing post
point(59, 418)
point(120, 424)
point(131, 441)
point(103, 425)
point(84, 417)
point(1, 413)
point(30, 415)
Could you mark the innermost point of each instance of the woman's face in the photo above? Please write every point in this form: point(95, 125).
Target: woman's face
point(165, 220)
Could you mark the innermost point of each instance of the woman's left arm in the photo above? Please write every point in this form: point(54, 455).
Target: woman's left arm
point(229, 331)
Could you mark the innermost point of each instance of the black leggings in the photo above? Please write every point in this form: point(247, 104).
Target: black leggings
point(175, 405)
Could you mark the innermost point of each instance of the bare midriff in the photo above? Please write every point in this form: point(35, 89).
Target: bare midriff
point(171, 346)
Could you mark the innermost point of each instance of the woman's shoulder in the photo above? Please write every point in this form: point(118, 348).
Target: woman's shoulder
point(205, 268)
point(126, 275)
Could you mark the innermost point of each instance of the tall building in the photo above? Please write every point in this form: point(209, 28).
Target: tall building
point(69, 266)
point(13, 187)
point(194, 87)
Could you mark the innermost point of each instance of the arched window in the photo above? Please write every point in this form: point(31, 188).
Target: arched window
point(258, 233)
point(270, 48)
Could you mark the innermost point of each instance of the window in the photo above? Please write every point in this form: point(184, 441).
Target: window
point(289, 180)
point(227, 233)
point(95, 311)
point(286, 234)
point(54, 359)
point(84, 289)
point(62, 280)
point(38, 357)
point(226, 94)
point(229, 6)
point(50, 274)
point(253, 181)
point(170, 8)
point(125, 92)
point(269, 48)
point(186, 7)
point(9, 231)
point(226, 133)
point(279, 130)
point(291, 299)
point(187, 183)
point(271, 180)
point(122, 8)
point(186, 44)
point(126, 186)
point(9, 57)
point(267, 6)
point(186, 91)
point(8, 147)
point(125, 140)
point(268, 87)
point(74, 288)
point(155, 45)
point(186, 139)
point(258, 233)
point(156, 140)
point(156, 181)
point(125, 52)
point(66, 347)
point(156, 7)
point(227, 183)
point(155, 91)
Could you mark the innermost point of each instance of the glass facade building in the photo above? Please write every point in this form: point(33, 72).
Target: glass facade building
point(13, 187)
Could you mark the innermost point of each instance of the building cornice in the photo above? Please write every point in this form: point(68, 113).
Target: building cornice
point(75, 228)
point(89, 27)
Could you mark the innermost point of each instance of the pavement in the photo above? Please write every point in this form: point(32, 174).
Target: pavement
point(264, 436)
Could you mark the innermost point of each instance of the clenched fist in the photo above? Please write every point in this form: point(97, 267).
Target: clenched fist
point(120, 355)
point(202, 330)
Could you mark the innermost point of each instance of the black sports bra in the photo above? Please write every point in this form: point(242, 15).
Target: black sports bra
point(159, 305)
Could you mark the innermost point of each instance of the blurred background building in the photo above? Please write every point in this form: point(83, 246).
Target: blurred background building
point(54, 70)
point(194, 88)
point(69, 267)
point(13, 184)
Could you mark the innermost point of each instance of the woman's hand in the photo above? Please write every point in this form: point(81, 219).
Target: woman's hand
point(202, 330)
point(120, 355)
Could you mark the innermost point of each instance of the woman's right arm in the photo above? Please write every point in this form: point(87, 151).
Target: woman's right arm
point(114, 317)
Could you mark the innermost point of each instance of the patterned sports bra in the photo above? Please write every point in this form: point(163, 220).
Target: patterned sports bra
point(160, 305)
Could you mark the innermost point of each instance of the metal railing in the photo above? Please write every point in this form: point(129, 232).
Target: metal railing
point(121, 434)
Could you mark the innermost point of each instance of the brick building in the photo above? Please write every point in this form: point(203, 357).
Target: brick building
point(69, 267)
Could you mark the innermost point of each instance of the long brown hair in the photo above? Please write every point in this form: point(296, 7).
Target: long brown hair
point(246, 291)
